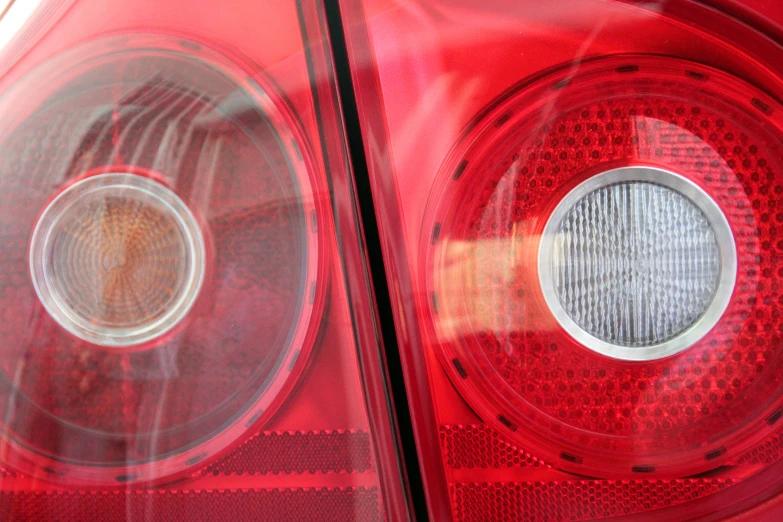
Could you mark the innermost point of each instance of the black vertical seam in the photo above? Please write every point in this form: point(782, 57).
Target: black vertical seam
point(358, 160)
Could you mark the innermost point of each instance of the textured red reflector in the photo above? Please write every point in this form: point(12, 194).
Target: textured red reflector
point(460, 443)
point(328, 505)
point(575, 500)
point(299, 452)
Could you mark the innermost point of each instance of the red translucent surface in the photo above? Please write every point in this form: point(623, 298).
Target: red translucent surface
point(258, 310)
point(520, 102)
point(599, 415)
point(258, 404)
point(287, 505)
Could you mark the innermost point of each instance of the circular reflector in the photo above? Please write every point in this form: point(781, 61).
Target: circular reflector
point(601, 255)
point(163, 264)
point(637, 263)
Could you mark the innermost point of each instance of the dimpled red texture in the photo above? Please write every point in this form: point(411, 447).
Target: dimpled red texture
point(575, 499)
point(298, 452)
point(569, 399)
point(326, 505)
point(478, 446)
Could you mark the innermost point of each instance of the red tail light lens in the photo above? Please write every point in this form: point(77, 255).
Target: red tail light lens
point(591, 236)
point(630, 263)
point(175, 307)
point(118, 260)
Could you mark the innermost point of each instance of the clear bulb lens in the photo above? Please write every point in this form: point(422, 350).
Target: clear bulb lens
point(117, 259)
point(637, 263)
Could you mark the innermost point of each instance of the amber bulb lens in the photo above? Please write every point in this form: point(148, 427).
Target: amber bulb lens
point(117, 259)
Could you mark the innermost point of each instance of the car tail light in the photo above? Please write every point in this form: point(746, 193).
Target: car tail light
point(590, 234)
point(176, 335)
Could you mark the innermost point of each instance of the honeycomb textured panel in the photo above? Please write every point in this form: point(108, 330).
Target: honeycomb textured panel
point(298, 452)
point(322, 505)
point(636, 263)
point(478, 446)
point(583, 500)
point(767, 452)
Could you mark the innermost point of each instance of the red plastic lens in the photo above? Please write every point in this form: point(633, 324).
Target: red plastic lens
point(176, 337)
point(134, 107)
point(579, 409)
point(588, 238)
